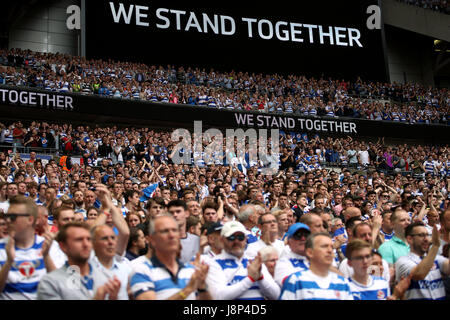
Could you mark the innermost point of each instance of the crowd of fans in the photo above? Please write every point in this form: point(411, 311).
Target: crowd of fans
point(127, 222)
point(411, 103)
point(436, 5)
point(297, 151)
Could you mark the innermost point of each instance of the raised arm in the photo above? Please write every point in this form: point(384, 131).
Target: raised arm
point(424, 267)
point(117, 217)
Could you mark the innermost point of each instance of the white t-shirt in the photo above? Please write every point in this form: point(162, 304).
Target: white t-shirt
point(57, 255)
point(348, 272)
point(4, 206)
point(364, 156)
point(254, 247)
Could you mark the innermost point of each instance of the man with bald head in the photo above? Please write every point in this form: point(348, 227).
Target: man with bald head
point(193, 208)
point(104, 243)
point(313, 221)
point(89, 198)
point(351, 212)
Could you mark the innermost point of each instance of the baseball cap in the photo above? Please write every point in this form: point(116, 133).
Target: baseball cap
point(216, 226)
point(232, 227)
point(295, 227)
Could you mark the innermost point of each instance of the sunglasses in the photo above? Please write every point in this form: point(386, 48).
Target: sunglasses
point(233, 237)
point(301, 234)
point(13, 216)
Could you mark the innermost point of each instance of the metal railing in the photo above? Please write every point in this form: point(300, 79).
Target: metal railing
point(19, 148)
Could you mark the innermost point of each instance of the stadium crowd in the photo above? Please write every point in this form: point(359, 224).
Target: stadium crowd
point(436, 5)
point(339, 219)
point(411, 103)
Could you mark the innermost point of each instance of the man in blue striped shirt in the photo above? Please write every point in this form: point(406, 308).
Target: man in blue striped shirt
point(293, 258)
point(318, 282)
point(162, 276)
point(233, 277)
point(24, 257)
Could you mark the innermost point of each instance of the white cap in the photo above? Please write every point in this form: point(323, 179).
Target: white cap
point(232, 227)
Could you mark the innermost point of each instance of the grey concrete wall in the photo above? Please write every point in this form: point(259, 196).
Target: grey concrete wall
point(410, 57)
point(427, 22)
point(44, 29)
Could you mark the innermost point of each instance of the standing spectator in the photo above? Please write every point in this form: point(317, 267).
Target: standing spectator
point(231, 276)
point(423, 264)
point(215, 244)
point(3, 226)
point(397, 247)
point(269, 236)
point(318, 282)
point(283, 223)
point(190, 243)
point(23, 255)
point(161, 276)
point(362, 231)
point(269, 256)
point(294, 259)
point(107, 259)
point(248, 217)
point(18, 134)
point(363, 285)
point(445, 229)
point(61, 216)
point(77, 279)
point(387, 228)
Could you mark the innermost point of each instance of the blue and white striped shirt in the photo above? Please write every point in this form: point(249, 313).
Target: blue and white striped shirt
point(376, 289)
point(26, 272)
point(305, 285)
point(431, 288)
point(428, 166)
point(228, 280)
point(152, 275)
point(288, 264)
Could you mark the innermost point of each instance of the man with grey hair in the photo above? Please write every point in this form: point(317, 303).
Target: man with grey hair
point(56, 184)
point(318, 282)
point(160, 275)
point(106, 259)
point(248, 216)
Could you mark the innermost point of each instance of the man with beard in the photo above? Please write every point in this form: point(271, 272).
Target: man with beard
point(423, 263)
point(78, 198)
point(76, 279)
point(231, 276)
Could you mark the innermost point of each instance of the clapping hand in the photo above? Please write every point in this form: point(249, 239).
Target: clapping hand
point(110, 288)
point(254, 268)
